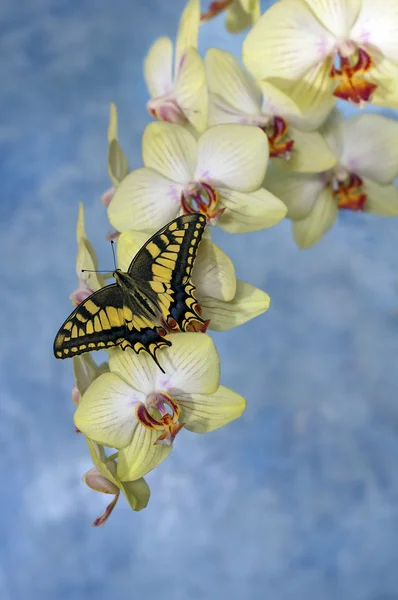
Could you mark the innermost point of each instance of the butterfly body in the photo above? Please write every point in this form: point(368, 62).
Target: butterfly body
point(154, 297)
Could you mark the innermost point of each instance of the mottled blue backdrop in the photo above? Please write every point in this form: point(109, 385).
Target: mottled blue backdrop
point(296, 500)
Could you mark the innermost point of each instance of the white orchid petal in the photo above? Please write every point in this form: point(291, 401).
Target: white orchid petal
point(142, 455)
point(311, 229)
point(286, 42)
point(378, 27)
point(191, 364)
point(106, 412)
point(250, 212)
point(145, 200)
point(227, 80)
point(171, 150)
point(248, 303)
point(158, 66)
point(191, 89)
point(139, 370)
point(203, 413)
point(380, 199)
point(233, 155)
point(213, 273)
point(371, 147)
point(298, 191)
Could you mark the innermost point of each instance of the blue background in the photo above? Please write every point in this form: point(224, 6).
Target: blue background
point(299, 498)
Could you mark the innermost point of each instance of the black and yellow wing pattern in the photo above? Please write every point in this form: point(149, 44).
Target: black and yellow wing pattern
point(153, 298)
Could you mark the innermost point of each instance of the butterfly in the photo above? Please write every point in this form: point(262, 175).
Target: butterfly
point(154, 297)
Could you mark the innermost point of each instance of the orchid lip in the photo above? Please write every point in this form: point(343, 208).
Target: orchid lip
point(201, 197)
point(169, 411)
point(349, 66)
point(348, 191)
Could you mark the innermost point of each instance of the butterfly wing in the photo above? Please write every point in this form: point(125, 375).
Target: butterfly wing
point(102, 321)
point(162, 270)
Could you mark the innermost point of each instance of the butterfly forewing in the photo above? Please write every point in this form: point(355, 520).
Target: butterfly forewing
point(166, 262)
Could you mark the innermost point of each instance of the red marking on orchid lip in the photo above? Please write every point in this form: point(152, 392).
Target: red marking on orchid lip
point(201, 197)
point(349, 194)
point(280, 146)
point(215, 9)
point(353, 87)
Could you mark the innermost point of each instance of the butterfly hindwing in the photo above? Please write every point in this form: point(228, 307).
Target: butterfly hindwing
point(163, 269)
point(97, 323)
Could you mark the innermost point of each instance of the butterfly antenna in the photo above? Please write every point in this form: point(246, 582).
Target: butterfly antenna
point(114, 254)
point(90, 271)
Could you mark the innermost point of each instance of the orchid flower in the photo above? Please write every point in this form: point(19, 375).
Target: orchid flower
point(178, 95)
point(102, 477)
point(366, 149)
point(139, 410)
point(236, 98)
point(240, 14)
point(225, 301)
point(219, 175)
point(317, 50)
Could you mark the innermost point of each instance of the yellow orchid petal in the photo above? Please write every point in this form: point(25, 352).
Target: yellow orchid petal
point(137, 492)
point(338, 17)
point(370, 147)
point(138, 369)
point(275, 102)
point(158, 67)
point(249, 302)
point(250, 212)
point(171, 150)
point(311, 229)
point(86, 257)
point(188, 31)
point(233, 155)
point(142, 455)
point(380, 199)
point(203, 413)
point(298, 191)
point(286, 42)
point(378, 28)
point(191, 363)
point(311, 154)
point(99, 459)
point(145, 200)
point(112, 126)
point(214, 272)
point(386, 93)
point(128, 244)
point(191, 89)
point(229, 82)
point(85, 370)
point(313, 93)
point(118, 166)
point(105, 413)
point(242, 14)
